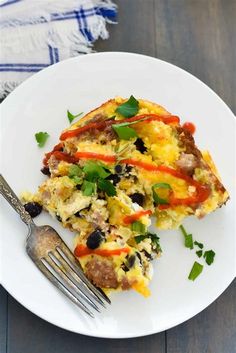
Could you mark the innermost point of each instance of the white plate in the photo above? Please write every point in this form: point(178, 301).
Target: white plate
point(81, 84)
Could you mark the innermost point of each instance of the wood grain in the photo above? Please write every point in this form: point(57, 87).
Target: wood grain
point(135, 31)
point(212, 331)
point(30, 334)
point(200, 37)
point(3, 320)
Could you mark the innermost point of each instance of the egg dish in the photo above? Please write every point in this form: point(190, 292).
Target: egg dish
point(114, 169)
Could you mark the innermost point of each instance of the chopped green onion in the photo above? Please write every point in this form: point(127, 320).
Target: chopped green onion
point(138, 227)
point(158, 200)
point(188, 238)
point(195, 271)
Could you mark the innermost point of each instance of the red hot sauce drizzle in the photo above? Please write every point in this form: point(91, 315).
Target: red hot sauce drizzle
point(190, 127)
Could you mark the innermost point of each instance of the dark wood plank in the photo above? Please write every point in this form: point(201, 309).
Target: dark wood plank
point(200, 36)
point(3, 320)
point(28, 333)
point(212, 331)
point(135, 31)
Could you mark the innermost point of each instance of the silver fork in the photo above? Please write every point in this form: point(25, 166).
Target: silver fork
point(55, 260)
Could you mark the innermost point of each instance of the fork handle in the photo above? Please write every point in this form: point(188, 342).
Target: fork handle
point(7, 192)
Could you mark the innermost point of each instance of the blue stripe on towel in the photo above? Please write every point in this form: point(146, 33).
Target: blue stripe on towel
point(9, 2)
point(23, 65)
point(80, 16)
point(25, 69)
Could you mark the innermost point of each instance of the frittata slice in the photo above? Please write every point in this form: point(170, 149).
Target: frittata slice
point(112, 170)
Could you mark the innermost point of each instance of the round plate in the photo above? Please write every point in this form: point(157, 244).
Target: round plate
point(81, 84)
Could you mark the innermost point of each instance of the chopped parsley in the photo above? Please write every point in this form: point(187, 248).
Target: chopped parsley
point(209, 256)
point(88, 188)
point(94, 171)
point(41, 138)
point(71, 116)
point(74, 170)
point(124, 132)
point(129, 108)
point(188, 238)
point(154, 239)
point(77, 180)
point(195, 271)
point(157, 199)
point(200, 245)
point(75, 173)
point(92, 176)
point(107, 187)
point(199, 253)
point(140, 238)
point(138, 227)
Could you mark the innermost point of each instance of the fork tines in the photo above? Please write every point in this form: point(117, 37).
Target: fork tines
point(64, 271)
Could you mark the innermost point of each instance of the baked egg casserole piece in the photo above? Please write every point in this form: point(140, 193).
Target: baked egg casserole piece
point(111, 171)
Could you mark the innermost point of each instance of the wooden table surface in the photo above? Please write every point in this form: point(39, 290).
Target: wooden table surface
point(199, 36)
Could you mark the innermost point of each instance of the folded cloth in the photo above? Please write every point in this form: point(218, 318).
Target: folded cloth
point(37, 33)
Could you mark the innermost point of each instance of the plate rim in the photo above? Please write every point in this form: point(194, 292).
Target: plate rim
point(83, 57)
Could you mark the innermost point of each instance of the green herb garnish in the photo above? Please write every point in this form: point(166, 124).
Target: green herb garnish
point(74, 170)
point(154, 238)
point(200, 245)
point(88, 188)
point(209, 256)
point(128, 123)
point(94, 171)
point(138, 227)
point(75, 173)
point(155, 241)
point(188, 238)
point(107, 186)
point(199, 253)
point(195, 271)
point(71, 116)
point(140, 238)
point(77, 180)
point(129, 108)
point(41, 138)
point(158, 200)
point(124, 132)
point(94, 174)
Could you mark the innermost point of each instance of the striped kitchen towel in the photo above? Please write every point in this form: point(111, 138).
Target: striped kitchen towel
point(37, 33)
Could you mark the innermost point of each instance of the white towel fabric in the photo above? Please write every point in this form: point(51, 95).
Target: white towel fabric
point(38, 33)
